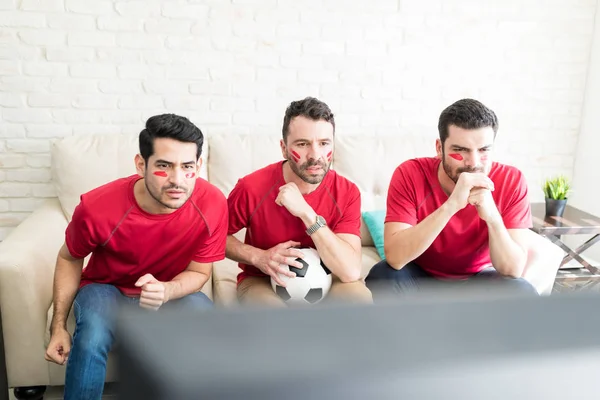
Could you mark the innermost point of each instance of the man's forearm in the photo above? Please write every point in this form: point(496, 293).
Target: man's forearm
point(404, 246)
point(66, 282)
point(241, 252)
point(507, 256)
point(339, 257)
point(185, 283)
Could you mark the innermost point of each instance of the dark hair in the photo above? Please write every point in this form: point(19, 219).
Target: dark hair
point(466, 114)
point(310, 108)
point(169, 126)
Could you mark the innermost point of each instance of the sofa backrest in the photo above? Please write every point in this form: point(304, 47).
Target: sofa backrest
point(81, 163)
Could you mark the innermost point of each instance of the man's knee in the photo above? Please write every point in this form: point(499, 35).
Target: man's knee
point(350, 292)
point(193, 301)
point(94, 334)
point(520, 285)
point(257, 291)
point(95, 309)
point(382, 271)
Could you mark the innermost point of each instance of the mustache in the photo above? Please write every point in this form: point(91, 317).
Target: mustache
point(467, 169)
point(313, 163)
point(175, 187)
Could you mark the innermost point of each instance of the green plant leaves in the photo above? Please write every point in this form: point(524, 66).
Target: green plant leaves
point(557, 188)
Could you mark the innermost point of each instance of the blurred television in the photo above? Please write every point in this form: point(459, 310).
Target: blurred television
point(427, 347)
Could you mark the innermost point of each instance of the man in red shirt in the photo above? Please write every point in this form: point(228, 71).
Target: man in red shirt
point(298, 202)
point(152, 238)
point(458, 217)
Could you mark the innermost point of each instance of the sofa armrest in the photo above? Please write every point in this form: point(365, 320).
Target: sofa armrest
point(543, 262)
point(27, 261)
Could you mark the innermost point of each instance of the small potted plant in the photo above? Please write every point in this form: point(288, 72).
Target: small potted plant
point(556, 191)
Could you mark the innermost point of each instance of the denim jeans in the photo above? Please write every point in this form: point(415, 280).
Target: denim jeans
point(95, 309)
point(385, 280)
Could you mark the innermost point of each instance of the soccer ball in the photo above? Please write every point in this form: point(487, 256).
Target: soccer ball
point(311, 284)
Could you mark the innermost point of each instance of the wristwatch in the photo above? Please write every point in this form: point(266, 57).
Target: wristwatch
point(315, 227)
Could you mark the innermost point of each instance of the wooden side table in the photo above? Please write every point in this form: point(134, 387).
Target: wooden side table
point(573, 222)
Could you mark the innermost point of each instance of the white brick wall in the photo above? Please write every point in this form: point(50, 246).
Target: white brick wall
point(75, 67)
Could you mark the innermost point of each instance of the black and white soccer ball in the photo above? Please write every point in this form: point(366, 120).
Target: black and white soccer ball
point(311, 284)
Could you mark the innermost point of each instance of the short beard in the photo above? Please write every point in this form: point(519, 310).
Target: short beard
point(157, 198)
point(300, 170)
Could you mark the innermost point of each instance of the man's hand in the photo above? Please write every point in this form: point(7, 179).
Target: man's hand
point(59, 347)
point(270, 260)
point(154, 292)
point(462, 190)
point(484, 203)
point(290, 197)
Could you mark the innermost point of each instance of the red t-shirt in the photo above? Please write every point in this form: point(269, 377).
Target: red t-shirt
point(126, 242)
point(461, 249)
point(252, 206)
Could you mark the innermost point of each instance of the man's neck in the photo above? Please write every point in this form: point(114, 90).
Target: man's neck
point(290, 176)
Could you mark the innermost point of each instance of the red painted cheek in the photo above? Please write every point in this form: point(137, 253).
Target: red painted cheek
point(295, 156)
point(162, 174)
point(190, 175)
point(329, 155)
point(457, 157)
point(484, 158)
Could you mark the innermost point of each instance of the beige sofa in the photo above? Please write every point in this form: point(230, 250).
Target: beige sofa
point(81, 163)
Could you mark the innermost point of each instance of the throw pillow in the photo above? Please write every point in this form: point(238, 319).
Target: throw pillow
point(375, 220)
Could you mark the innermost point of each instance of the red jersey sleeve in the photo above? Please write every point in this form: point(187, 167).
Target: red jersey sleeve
point(401, 201)
point(350, 221)
point(80, 236)
point(237, 204)
point(517, 212)
point(213, 248)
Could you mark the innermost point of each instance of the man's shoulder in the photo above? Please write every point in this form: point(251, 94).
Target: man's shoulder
point(204, 188)
point(110, 192)
point(505, 172)
point(417, 169)
point(262, 178)
point(419, 163)
point(342, 184)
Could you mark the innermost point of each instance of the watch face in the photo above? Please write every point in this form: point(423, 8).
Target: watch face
point(321, 220)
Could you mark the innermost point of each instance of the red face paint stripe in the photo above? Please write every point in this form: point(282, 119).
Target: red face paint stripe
point(160, 173)
point(457, 157)
point(190, 175)
point(329, 155)
point(295, 155)
point(484, 158)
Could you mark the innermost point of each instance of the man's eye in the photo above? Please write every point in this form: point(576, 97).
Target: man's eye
point(188, 166)
point(161, 165)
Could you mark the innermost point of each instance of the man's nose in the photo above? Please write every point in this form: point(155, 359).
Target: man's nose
point(473, 159)
point(177, 176)
point(313, 152)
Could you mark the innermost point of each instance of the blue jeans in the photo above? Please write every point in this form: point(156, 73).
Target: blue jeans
point(384, 280)
point(95, 309)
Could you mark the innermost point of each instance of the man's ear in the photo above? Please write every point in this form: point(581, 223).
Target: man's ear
point(439, 148)
point(198, 166)
point(140, 165)
point(282, 145)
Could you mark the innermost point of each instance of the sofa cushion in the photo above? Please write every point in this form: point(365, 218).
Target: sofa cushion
point(82, 163)
point(370, 257)
point(234, 156)
point(375, 223)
